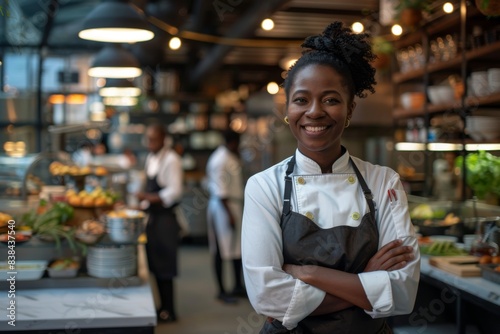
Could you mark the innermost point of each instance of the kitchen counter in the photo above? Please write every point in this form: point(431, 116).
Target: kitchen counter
point(477, 286)
point(117, 308)
point(461, 293)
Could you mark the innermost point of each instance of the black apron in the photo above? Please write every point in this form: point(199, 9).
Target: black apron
point(343, 248)
point(162, 232)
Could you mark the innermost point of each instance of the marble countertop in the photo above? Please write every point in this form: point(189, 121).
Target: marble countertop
point(117, 305)
point(476, 286)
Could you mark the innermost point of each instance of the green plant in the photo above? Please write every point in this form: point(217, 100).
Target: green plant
point(49, 224)
point(422, 5)
point(482, 173)
point(380, 45)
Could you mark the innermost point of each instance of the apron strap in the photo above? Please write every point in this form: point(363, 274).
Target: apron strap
point(364, 186)
point(288, 186)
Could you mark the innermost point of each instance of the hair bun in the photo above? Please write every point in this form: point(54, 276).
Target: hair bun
point(339, 41)
point(351, 49)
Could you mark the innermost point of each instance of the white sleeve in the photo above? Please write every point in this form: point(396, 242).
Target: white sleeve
point(271, 291)
point(170, 178)
point(394, 292)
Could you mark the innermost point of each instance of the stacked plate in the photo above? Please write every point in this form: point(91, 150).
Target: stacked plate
point(494, 80)
point(483, 128)
point(112, 261)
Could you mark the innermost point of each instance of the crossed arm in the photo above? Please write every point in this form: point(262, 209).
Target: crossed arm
point(343, 289)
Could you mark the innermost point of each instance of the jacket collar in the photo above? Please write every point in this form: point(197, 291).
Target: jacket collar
point(306, 165)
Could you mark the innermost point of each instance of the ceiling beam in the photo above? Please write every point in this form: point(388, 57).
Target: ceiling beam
point(242, 28)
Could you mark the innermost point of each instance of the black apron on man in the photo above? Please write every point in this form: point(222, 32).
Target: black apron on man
point(344, 248)
point(162, 233)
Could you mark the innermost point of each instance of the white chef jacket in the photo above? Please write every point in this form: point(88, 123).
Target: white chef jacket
point(329, 200)
point(225, 180)
point(166, 165)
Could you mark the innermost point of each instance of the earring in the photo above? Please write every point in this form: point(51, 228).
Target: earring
point(286, 119)
point(347, 123)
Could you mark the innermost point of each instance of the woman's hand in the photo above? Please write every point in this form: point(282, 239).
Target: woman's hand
point(392, 256)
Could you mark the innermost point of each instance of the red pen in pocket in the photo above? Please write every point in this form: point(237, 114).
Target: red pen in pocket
point(392, 195)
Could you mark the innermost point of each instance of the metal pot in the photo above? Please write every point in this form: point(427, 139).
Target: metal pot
point(127, 227)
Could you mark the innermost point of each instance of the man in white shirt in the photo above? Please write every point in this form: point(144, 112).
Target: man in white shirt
point(163, 192)
point(224, 212)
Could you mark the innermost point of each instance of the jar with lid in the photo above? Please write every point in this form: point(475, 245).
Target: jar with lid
point(482, 245)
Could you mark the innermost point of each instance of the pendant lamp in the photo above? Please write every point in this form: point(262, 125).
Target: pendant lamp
point(116, 21)
point(120, 101)
point(119, 88)
point(113, 61)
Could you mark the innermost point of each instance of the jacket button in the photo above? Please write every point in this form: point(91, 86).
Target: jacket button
point(351, 179)
point(355, 216)
point(309, 215)
point(301, 180)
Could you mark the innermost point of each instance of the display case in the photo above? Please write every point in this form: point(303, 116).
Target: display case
point(12, 174)
point(21, 177)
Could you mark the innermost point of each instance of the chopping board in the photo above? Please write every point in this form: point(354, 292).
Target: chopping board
point(464, 266)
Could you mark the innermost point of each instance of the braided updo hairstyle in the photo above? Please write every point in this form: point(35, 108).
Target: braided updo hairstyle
point(348, 53)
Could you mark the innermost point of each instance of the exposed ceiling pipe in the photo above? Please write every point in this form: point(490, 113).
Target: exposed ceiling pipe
point(240, 29)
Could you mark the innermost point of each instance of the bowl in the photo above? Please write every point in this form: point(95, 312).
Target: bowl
point(26, 270)
point(482, 128)
point(441, 94)
point(63, 268)
point(412, 100)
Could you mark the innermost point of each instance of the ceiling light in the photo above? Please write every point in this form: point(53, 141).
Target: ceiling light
point(358, 27)
point(115, 21)
point(174, 43)
point(113, 61)
point(273, 88)
point(396, 30)
point(287, 62)
point(120, 101)
point(119, 87)
point(442, 147)
point(409, 146)
point(267, 24)
point(448, 7)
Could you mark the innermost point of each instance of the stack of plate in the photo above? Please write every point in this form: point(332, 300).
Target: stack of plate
point(483, 128)
point(494, 79)
point(112, 261)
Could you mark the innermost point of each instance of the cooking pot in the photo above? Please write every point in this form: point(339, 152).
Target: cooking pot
point(126, 226)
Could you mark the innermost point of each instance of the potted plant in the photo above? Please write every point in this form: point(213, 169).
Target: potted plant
point(383, 49)
point(489, 7)
point(410, 12)
point(482, 175)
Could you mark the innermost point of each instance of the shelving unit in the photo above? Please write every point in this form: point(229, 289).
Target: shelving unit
point(469, 57)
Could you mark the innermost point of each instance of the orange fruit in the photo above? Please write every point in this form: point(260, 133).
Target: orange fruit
point(485, 259)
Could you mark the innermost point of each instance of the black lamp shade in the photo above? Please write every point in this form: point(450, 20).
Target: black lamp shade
point(114, 58)
point(116, 21)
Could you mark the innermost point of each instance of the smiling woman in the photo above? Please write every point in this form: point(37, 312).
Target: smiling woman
point(317, 256)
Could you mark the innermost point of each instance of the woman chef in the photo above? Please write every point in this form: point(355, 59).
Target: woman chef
point(328, 246)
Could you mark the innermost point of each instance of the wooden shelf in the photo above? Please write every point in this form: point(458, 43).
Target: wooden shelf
point(487, 51)
point(492, 99)
point(471, 101)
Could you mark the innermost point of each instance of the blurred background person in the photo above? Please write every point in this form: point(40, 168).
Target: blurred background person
point(164, 181)
point(224, 212)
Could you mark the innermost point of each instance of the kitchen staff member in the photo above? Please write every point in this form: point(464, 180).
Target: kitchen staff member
point(225, 208)
point(163, 192)
point(315, 224)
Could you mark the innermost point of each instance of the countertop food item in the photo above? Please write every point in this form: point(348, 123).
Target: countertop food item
point(63, 268)
point(26, 270)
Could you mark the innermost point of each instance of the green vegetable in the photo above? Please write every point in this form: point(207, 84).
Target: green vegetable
point(482, 173)
point(50, 225)
point(442, 248)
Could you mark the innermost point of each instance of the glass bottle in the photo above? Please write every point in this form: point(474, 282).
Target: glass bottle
point(481, 246)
